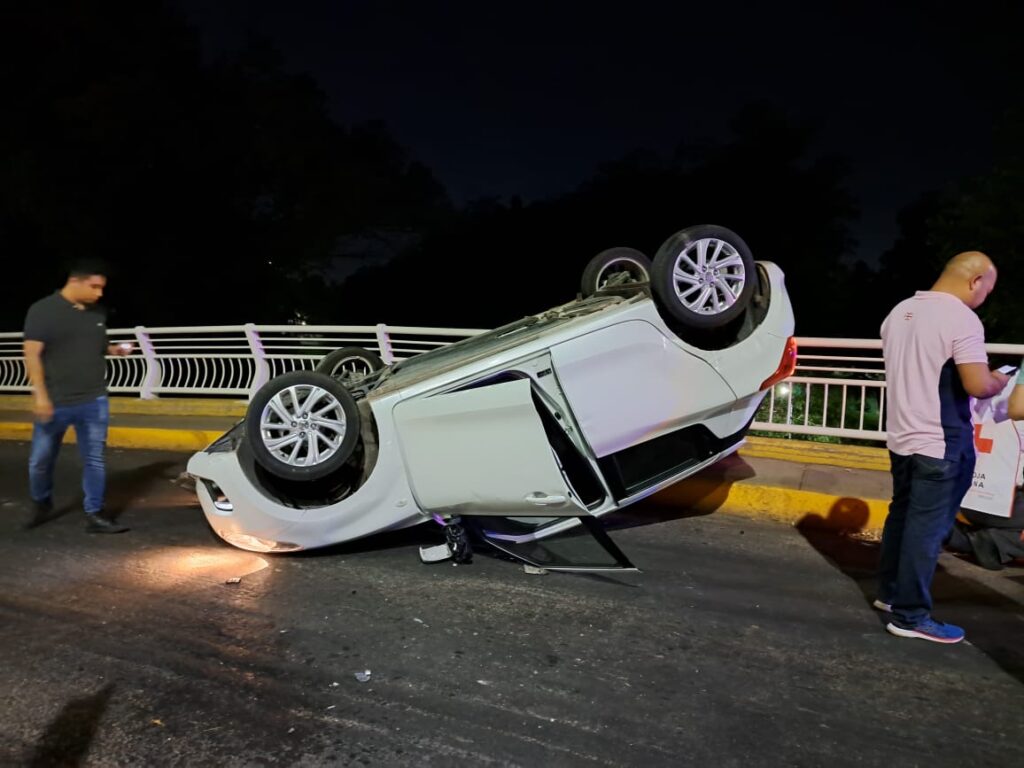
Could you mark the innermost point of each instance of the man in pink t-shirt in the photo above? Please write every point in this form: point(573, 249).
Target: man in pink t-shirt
point(935, 360)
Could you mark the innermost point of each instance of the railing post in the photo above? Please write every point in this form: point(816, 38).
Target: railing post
point(261, 368)
point(154, 374)
point(387, 354)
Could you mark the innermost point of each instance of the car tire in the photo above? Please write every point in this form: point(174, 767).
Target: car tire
point(349, 364)
point(613, 261)
point(704, 276)
point(294, 443)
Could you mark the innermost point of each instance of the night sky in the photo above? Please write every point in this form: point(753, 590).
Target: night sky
point(505, 99)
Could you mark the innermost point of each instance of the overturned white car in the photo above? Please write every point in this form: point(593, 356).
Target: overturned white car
point(654, 372)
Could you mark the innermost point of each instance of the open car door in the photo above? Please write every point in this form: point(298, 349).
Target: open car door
point(483, 451)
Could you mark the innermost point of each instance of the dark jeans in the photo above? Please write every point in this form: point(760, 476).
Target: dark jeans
point(90, 422)
point(926, 495)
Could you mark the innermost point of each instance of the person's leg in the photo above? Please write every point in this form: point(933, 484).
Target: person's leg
point(935, 495)
point(91, 430)
point(892, 533)
point(42, 460)
point(91, 421)
point(959, 539)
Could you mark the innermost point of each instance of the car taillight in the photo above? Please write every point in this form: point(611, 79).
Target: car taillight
point(786, 365)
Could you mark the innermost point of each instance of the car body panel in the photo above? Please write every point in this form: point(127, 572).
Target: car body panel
point(738, 363)
point(650, 387)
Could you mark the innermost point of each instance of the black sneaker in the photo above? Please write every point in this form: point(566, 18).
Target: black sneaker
point(100, 524)
point(42, 512)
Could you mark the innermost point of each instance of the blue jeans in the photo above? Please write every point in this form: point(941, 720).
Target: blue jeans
point(926, 495)
point(90, 421)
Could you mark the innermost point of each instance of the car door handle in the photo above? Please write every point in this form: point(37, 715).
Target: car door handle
point(542, 500)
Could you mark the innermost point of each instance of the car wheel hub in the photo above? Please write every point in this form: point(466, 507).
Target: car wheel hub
point(708, 276)
point(303, 426)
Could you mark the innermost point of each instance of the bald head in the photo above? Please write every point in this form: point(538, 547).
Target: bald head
point(968, 264)
point(970, 276)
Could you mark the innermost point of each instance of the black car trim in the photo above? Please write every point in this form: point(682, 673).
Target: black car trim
point(642, 466)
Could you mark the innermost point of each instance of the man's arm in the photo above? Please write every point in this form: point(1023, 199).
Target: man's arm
point(1015, 406)
point(41, 405)
point(979, 381)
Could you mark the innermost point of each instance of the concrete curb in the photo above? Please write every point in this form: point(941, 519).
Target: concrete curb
point(140, 438)
point(786, 505)
point(806, 452)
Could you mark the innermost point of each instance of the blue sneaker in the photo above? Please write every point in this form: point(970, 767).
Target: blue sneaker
point(929, 629)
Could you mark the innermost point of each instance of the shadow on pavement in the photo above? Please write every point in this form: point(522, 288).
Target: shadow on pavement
point(992, 619)
point(124, 489)
point(38, 518)
point(127, 486)
point(67, 739)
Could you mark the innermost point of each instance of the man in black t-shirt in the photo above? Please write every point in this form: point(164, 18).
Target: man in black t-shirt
point(65, 349)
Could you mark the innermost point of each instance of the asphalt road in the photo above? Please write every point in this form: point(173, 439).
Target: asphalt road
point(741, 642)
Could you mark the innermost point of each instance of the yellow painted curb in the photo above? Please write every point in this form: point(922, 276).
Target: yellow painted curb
point(806, 452)
point(804, 508)
point(810, 508)
point(170, 406)
point(187, 440)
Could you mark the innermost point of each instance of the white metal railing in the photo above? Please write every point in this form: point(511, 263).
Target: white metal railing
point(230, 359)
point(837, 390)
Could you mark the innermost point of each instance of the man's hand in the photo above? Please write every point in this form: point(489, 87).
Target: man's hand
point(42, 408)
point(1002, 378)
point(120, 350)
point(979, 381)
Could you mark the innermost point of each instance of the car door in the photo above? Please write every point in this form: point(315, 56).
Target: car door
point(628, 383)
point(482, 451)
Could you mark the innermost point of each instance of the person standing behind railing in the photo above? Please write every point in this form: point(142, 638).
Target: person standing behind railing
point(933, 345)
point(995, 541)
point(65, 346)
